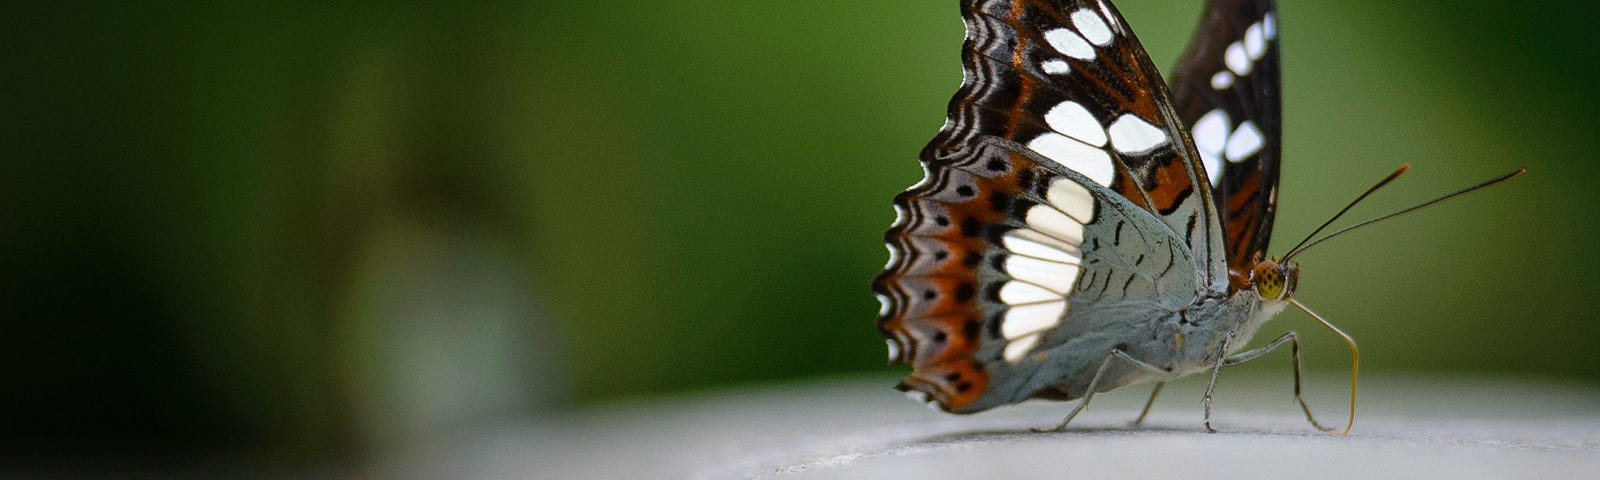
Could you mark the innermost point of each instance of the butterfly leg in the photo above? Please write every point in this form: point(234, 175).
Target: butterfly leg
point(1212, 385)
point(1147, 404)
point(1095, 382)
point(1294, 346)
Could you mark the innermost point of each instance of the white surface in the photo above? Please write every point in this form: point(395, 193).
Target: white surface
point(1407, 428)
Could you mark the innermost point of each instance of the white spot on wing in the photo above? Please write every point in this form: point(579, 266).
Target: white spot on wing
point(899, 216)
point(1072, 120)
point(894, 350)
point(1222, 80)
point(1053, 276)
point(1269, 26)
point(1092, 28)
point(1020, 245)
point(894, 256)
point(1057, 225)
point(1019, 347)
point(1029, 319)
point(883, 309)
point(1211, 132)
point(1086, 160)
point(1049, 241)
point(1254, 44)
point(1069, 43)
point(1074, 200)
point(1213, 165)
point(1210, 138)
point(1055, 66)
point(1017, 293)
point(1237, 60)
point(1245, 141)
point(1131, 134)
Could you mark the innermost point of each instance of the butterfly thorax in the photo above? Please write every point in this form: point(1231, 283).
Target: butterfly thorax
point(1266, 291)
point(1212, 328)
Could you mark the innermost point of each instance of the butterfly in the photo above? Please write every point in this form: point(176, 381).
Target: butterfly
point(1081, 226)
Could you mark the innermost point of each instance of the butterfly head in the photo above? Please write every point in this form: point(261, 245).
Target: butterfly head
point(1275, 279)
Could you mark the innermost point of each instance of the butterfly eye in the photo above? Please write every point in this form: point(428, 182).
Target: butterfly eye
point(1270, 280)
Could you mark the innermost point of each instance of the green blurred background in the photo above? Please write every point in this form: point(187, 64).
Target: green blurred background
point(310, 231)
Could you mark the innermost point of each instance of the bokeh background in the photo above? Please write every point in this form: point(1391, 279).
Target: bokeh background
point(307, 232)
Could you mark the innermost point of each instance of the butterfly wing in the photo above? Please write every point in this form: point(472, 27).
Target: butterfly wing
point(1062, 195)
point(1068, 79)
point(1002, 260)
point(1227, 90)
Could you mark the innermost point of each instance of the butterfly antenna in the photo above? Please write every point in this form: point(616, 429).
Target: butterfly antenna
point(1374, 188)
point(1480, 186)
point(1355, 359)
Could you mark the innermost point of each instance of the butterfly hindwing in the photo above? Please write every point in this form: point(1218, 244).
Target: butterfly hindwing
point(1000, 259)
point(1227, 90)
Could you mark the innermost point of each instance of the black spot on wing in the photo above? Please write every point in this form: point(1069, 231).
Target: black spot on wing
point(965, 292)
point(971, 227)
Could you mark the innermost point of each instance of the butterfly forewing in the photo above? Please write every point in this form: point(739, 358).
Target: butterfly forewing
point(1063, 190)
point(1227, 90)
point(1070, 81)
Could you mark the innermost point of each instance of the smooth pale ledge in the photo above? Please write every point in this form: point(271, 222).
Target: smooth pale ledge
point(1409, 427)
